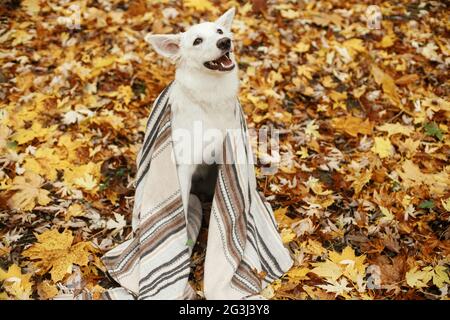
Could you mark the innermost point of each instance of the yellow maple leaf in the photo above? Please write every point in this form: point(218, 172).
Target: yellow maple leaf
point(298, 274)
point(313, 247)
point(316, 186)
point(387, 214)
point(32, 7)
point(394, 128)
point(45, 161)
point(15, 283)
point(86, 182)
point(75, 210)
point(287, 235)
point(382, 147)
point(268, 292)
point(305, 71)
point(303, 153)
point(290, 14)
point(54, 252)
point(446, 204)
point(4, 250)
point(280, 216)
point(354, 46)
point(353, 125)
point(274, 77)
point(200, 5)
point(387, 83)
point(257, 102)
point(21, 37)
point(352, 265)
point(411, 175)
point(418, 278)
point(110, 119)
point(311, 129)
point(36, 131)
point(71, 147)
point(301, 47)
point(360, 181)
point(387, 41)
point(337, 287)
point(337, 96)
point(28, 192)
point(327, 269)
point(4, 136)
point(79, 176)
point(409, 146)
point(440, 276)
point(47, 290)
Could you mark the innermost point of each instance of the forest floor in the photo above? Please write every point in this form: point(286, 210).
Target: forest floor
point(362, 194)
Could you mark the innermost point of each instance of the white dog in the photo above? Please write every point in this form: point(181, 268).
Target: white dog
point(204, 93)
point(243, 240)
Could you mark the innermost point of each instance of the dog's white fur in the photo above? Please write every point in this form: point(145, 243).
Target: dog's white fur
point(199, 95)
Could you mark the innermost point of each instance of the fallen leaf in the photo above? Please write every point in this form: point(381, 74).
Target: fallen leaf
point(15, 283)
point(382, 147)
point(47, 290)
point(387, 83)
point(353, 125)
point(394, 128)
point(28, 192)
point(55, 252)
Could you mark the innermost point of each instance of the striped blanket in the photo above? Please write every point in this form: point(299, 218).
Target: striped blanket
point(244, 249)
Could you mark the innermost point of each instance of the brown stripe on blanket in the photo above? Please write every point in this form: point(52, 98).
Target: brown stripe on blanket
point(224, 216)
point(145, 248)
point(156, 216)
point(173, 227)
point(113, 261)
point(236, 196)
point(244, 271)
point(162, 140)
point(161, 212)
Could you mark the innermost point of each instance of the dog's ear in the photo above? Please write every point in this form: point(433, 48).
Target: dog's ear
point(226, 19)
point(167, 45)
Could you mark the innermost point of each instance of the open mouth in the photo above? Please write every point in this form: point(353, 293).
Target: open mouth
point(224, 63)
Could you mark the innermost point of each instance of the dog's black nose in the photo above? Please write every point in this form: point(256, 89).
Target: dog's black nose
point(224, 44)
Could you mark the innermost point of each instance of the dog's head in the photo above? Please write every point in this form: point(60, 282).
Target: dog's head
point(207, 46)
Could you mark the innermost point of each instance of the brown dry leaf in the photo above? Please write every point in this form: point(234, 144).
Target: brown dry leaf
point(47, 290)
point(360, 181)
point(387, 83)
point(394, 128)
point(407, 79)
point(411, 175)
point(353, 125)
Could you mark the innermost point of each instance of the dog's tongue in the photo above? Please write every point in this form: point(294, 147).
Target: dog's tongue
point(225, 61)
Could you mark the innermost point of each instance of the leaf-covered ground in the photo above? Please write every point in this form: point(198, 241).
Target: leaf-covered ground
point(362, 195)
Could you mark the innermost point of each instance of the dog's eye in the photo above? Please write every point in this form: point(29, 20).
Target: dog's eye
point(219, 31)
point(198, 41)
